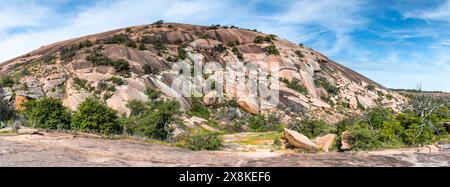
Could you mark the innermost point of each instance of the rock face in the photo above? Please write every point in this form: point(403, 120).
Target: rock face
point(298, 140)
point(325, 142)
point(317, 86)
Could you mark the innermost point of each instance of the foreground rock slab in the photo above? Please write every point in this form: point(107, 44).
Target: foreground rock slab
point(298, 140)
point(68, 150)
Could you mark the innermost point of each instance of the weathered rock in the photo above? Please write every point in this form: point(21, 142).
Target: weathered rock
point(353, 104)
point(366, 101)
point(325, 142)
point(345, 145)
point(193, 121)
point(249, 104)
point(6, 130)
point(28, 131)
point(210, 98)
point(298, 140)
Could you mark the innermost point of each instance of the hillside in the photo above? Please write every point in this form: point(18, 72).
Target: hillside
point(118, 66)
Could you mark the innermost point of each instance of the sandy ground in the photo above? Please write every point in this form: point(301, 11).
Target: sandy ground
point(61, 150)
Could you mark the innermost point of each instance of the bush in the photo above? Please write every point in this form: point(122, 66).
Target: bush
point(152, 93)
point(261, 123)
point(371, 87)
point(295, 85)
point(198, 108)
point(364, 138)
point(182, 54)
point(262, 39)
point(159, 45)
point(137, 107)
point(313, 128)
point(95, 116)
point(47, 113)
point(7, 81)
point(272, 50)
point(142, 47)
point(80, 83)
point(120, 66)
point(380, 128)
point(67, 53)
point(205, 141)
point(118, 39)
point(152, 121)
point(324, 83)
point(220, 48)
point(236, 52)
point(116, 80)
point(299, 54)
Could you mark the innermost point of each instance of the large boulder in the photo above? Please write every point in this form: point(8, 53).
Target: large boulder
point(249, 104)
point(345, 145)
point(210, 98)
point(325, 142)
point(298, 140)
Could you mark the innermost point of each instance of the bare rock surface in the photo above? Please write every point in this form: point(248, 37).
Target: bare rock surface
point(63, 150)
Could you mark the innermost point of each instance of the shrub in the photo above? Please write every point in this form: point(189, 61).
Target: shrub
point(313, 128)
point(205, 141)
point(120, 66)
point(380, 128)
point(220, 48)
point(80, 83)
point(198, 108)
point(137, 107)
point(159, 22)
point(324, 83)
point(128, 30)
point(95, 116)
point(116, 80)
point(299, 54)
point(67, 53)
point(259, 39)
point(154, 121)
point(272, 50)
point(182, 54)
point(47, 113)
point(295, 85)
point(262, 39)
point(159, 45)
point(261, 123)
point(364, 138)
point(236, 52)
point(142, 47)
point(118, 39)
point(152, 93)
point(7, 81)
point(371, 87)
point(214, 27)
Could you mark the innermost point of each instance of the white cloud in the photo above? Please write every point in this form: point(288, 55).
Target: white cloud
point(103, 16)
point(441, 13)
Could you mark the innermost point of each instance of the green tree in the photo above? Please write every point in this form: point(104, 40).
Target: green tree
point(153, 120)
point(6, 112)
point(47, 113)
point(95, 116)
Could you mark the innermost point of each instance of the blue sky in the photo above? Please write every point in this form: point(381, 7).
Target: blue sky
point(398, 43)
